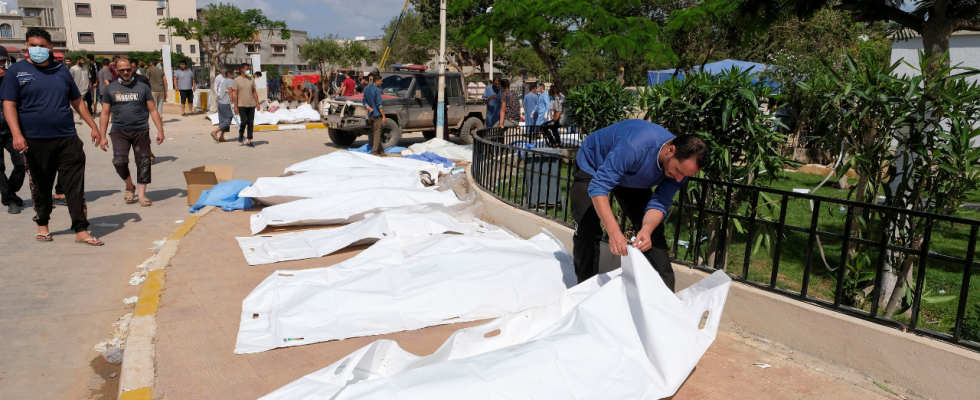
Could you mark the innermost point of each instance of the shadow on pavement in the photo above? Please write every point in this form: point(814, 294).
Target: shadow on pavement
point(259, 142)
point(163, 159)
point(171, 120)
point(160, 195)
point(106, 224)
point(98, 194)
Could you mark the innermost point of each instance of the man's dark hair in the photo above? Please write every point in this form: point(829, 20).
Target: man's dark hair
point(182, 62)
point(688, 146)
point(505, 83)
point(258, 74)
point(246, 65)
point(79, 58)
point(91, 57)
point(378, 78)
point(38, 33)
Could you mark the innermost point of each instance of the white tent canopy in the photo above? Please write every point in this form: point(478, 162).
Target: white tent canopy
point(630, 338)
point(443, 281)
point(322, 183)
point(348, 207)
point(267, 249)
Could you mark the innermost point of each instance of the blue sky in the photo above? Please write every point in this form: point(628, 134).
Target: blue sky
point(320, 17)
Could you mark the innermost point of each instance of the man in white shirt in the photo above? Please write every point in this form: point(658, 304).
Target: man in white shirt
point(79, 73)
point(216, 88)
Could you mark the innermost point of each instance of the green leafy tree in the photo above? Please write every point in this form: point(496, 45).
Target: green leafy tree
point(411, 43)
point(518, 60)
point(599, 104)
point(221, 27)
point(321, 52)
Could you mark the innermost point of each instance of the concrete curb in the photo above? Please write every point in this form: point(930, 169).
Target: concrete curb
point(290, 127)
point(138, 371)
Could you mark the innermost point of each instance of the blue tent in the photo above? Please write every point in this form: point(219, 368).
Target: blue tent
point(715, 68)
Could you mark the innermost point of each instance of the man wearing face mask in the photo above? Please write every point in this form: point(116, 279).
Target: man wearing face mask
point(244, 98)
point(38, 97)
point(9, 185)
point(131, 102)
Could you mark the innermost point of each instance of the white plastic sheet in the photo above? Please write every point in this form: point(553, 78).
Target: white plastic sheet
point(630, 338)
point(350, 159)
point(348, 207)
point(267, 249)
point(303, 113)
point(442, 148)
point(446, 280)
point(322, 183)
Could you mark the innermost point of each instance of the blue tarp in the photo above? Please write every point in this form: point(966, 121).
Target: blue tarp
point(432, 158)
point(657, 77)
point(224, 195)
point(367, 149)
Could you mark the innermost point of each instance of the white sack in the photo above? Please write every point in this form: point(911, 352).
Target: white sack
point(352, 159)
point(267, 249)
point(261, 118)
point(348, 207)
point(436, 285)
point(630, 339)
point(322, 183)
point(303, 113)
point(442, 148)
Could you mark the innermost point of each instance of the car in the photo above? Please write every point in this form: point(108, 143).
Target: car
point(409, 98)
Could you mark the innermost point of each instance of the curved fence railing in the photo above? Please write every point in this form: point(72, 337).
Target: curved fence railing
point(839, 254)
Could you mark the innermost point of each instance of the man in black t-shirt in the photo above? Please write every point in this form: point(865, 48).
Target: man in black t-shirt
point(131, 103)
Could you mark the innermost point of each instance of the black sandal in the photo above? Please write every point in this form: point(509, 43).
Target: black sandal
point(44, 238)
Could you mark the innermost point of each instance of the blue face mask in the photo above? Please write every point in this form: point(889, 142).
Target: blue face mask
point(38, 54)
point(130, 79)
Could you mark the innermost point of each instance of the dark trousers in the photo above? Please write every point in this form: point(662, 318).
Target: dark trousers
point(588, 229)
point(550, 130)
point(247, 121)
point(139, 141)
point(89, 99)
point(10, 185)
point(376, 126)
point(64, 157)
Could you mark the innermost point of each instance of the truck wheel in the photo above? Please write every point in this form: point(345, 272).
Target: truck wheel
point(472, 124)
point(391, 133)
point(429, 135)
point(341, 138)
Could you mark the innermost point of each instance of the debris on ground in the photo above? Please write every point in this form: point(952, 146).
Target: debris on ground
point(130, 300)
point(762, 365)
point(113, 355)
point(118, 336)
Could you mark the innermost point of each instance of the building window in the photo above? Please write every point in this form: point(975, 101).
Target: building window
point(179, 49)
point(6, 31)
point(118, 10)
point(279, 49)
point(163, 38)
point(86, 37)
point(159, 11)
point(81, 9)
point(120, 38)
point(193, 49)
point(251, 48)
point(190, 20)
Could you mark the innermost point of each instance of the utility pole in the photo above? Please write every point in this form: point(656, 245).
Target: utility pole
point(441, 105)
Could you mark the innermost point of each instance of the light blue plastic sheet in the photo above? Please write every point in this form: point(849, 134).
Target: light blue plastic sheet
point(224, 195)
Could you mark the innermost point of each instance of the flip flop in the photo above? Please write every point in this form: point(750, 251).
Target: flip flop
point(130, 194)
point(145, 202)
point(90, 242)
point(215, 137)
point(44, 238)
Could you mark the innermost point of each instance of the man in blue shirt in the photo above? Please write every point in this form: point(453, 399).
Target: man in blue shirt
point(544, 105)
point(38, 95)
point(530, 106)
point(372, 102)
point(491, 97)
point(627, 159)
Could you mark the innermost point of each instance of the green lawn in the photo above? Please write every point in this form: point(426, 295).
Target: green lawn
point(943, 279)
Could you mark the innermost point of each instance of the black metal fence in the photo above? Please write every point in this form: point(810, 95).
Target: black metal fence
point(835, 253)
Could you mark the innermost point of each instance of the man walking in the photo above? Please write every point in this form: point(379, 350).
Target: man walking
point(219, 77)
point(372, 102)
point(626, 159)
point(510, 106)
point(543, 105)
point(491, 97)
point(158, 85)
point(130, 103)
point(9, 185)
point(185, 83)
point(37, 103)
point(244, 99)
point(225, 114)
point(105, 77)
point(93, 75)
point(80, 74)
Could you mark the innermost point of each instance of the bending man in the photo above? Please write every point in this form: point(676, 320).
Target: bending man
point(627, 159)
point(131, 103)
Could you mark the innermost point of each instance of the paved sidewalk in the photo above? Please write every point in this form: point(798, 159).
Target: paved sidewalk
point(208, 279)
point(59, 299)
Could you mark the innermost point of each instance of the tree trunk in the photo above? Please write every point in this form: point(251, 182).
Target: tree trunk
point(620, 72)
point(903, 276)
point(935, 39)
point(546, 59)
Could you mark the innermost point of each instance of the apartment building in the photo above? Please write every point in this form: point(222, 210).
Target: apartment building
point(273, 50)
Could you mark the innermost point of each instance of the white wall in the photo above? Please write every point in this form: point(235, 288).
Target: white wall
point(964, 49)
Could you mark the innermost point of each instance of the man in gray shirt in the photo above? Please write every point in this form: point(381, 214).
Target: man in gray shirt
point(130, 103)
point(225, 113)
point(184, 82)
point(105, 77)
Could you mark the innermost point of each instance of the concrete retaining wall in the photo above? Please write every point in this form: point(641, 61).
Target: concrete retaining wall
point(905, 362)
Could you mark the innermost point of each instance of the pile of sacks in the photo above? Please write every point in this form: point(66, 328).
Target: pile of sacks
point(619, 335)
point(301, 114)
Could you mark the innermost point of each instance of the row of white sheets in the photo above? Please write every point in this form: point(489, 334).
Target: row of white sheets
point(267, 249)
point(621, 335)
point(303, 113)
point(324, 183)
point(442, 148)
point(352, 159)
point(404, 283)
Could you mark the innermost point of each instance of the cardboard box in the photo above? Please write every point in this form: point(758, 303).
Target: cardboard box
point(203, 178)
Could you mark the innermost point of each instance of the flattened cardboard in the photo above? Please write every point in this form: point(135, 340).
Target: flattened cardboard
point(204, 178)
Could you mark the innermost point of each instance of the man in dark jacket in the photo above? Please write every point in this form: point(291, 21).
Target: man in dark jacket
point(9, 185)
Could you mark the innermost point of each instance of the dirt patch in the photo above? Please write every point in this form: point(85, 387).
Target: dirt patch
point(104, 384)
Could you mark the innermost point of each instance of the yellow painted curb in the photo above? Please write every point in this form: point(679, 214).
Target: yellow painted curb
point(137, 394)
point(184, 228)
point(288, 127)
point(149, 299)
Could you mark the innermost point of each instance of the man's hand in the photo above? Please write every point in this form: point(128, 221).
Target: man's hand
point(642, 242)
point(160, 137)
point(384, 120)
point(20, 144)
point(235, 109)
point(617, 243)
point(100, 141)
